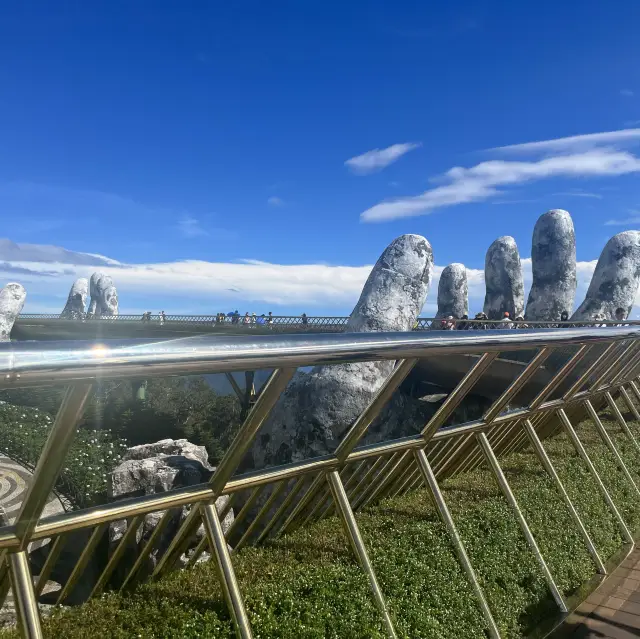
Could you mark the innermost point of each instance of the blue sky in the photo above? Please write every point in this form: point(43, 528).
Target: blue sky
point(167, 135)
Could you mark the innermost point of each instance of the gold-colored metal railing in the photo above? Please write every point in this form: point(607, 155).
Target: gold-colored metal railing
point(567, 370)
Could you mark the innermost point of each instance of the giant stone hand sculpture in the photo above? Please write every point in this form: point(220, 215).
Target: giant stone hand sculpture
point(77, 300)
point(553, 263)
point(12, 298)
point(503, 279)
point(453, 292)
point(615, 280)
point(104, 297)
point(318, 407)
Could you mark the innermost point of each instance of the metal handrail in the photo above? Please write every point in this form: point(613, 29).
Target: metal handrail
point(41, 363)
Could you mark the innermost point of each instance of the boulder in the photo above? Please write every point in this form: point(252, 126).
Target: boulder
point(12, 298)
point(453, 292)
point(77, 300)
point(615, 280)
point(553, 263)
point(317, 408)
point(503, 280)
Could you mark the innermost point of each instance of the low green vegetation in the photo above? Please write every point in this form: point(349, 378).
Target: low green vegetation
point(308, 585)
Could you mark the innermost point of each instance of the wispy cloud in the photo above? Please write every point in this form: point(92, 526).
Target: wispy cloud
point(589, 140)
point(633, 219)
point(378, 159)
point(595, 196)
point(481, 182)
point(627, 93)
point(274, 200)
point(189, 227)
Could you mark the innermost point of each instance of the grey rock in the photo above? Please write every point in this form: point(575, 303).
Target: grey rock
point(317, 407)
point(154, 468)
point(503, 279)
point(12, 298)
point(77, 300)
point(453, 292)
point(553, 263)
point(615, 280)
point(104, 297)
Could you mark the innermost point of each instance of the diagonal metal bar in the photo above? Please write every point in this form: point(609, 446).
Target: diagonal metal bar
point(602, 431)
point(364, 420)
point(24, 595)
point(551, 471)
point(635, 389)
point(235, 386)
point(617, 358)
point(457, 395)
point(443, 510)
point(628, 401)
point(516, 385)
point(239, 447)
point(600, 363)
point(284, 506)
point(577, 444)
point(52, 558)
point(51, 461)
point(357, 544)
point(561, 375)
point(510, 497)
point(388, 471)
point(82, 562)
point(631, 362)
point(621, 421)
point(226, 573)
point(117, 555)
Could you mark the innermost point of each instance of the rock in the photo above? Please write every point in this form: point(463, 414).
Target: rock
point(615, 280)
point(150, 469)
point(503, 280)
point(317, 407)
point(77, 300)
point(104, 297)
point(553, 262)
point(453, 292)
point(12, 298)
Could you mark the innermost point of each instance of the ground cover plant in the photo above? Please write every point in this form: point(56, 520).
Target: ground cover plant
point(308, 584)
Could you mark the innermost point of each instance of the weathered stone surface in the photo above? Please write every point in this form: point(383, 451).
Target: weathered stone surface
point(317, 407)
point(503, 279)
point(12, 298)
point(615, 280)
point(104, 297)
point(77, 300)
point(153, 468)
point(453, 292)
point(553, 263)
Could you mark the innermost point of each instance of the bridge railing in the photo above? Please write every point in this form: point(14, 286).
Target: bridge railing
point(318, 323)
point(568, 370)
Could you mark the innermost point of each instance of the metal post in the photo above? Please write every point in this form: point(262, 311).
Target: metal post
point(24, 595)
point(357, 544)
point(577, 444)
point(51, 461)
point(621, 421)
point(227, 575)
point(551, 471)
point(595, 418)
point(629, 403)
point(510, 497)
point(458, 546)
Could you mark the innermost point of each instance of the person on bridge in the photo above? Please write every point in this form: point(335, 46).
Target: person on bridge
point(163, 318)
point(270, 319)
point(235, 317)
point(564, 320)
point(463, 324)
point(246, 320)
point(505, 322)
point(305, 320)
point(621, 316)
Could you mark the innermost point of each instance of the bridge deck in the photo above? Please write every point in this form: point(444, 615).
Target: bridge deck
point(613, 610)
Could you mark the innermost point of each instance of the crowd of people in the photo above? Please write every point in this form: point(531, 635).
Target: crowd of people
point(234, 317)
point(482, 322)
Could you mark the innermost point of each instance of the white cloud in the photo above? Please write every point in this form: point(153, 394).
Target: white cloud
point(480, 182)
point(589, 140)
point(274, 200)
point(627, 93)
point(378, 159)
point(595, 196)
point(190, 227)
point(633, 219)
point(206, 287)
